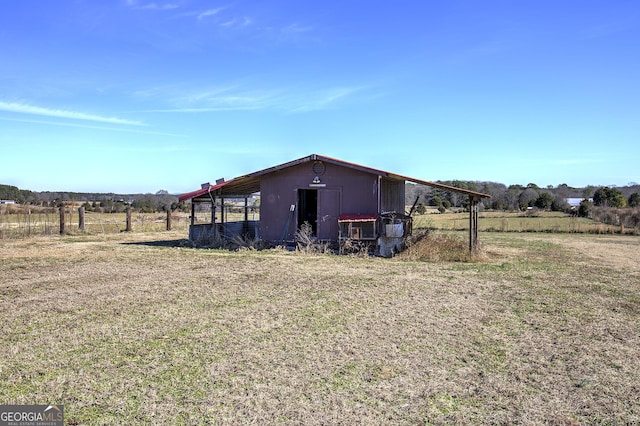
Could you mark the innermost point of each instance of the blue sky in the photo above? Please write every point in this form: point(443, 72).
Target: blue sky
point(142, 95)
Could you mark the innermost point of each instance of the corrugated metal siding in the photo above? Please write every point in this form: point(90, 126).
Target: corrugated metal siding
point(392, 196)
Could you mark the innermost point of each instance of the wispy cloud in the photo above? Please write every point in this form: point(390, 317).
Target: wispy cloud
point(156, 149)
point(200, 15)
point(21, 108)
point(296, 29)
point(230, 98)
point(610, 28)
point(152, 6)
point(87, 126)
point(235, 98)
point(210, 12)
point(325, 98)
point(237, 22)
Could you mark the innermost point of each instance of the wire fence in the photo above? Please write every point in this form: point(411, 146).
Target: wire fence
point(32, 223)
point(47, 222)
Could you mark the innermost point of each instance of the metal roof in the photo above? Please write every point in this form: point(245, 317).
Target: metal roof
point(250, 183)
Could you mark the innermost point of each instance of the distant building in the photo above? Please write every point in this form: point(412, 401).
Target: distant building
point(575, 202)
point(7, 202)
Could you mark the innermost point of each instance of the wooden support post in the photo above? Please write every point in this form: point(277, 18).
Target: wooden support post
point(168, 219)
point(193, 212)
point(213, 210)
point(81, 218)
point(61, 220)
point(473, 223)
point(221, 210)
point(245, 224)
point(128, 219)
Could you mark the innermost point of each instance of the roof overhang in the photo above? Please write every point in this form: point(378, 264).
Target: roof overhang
point(246, 185)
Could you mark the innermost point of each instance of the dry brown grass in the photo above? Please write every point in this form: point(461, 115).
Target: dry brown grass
point(123, 329)
point(438, 246)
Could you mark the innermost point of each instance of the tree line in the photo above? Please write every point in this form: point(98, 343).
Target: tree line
point(522, 197)
point(503, 197)
point(103, 202)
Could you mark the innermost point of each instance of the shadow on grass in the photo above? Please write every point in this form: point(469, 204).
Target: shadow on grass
point(182, 242)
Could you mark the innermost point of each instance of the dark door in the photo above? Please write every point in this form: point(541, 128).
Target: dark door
point(328, 212)
point(308, 208)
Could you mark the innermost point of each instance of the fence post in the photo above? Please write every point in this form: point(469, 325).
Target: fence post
point(128, 219)
point(168, 219)
point(61, 220)
point(81, 218)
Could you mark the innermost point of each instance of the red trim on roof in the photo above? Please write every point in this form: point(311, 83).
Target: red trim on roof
point(202, 191)
point(357, 217)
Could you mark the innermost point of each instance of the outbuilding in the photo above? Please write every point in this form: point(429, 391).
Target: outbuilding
point(338, 199)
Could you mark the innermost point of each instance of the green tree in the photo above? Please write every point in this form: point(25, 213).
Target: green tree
point(527, 198)
point(420, 208)
point(22, 196)
point(585, 208)
point(600, 197)
point(511, 196)
point(499, 204)
point(609, 197)
point(544, 201)
point(634, 200)
point(617, 200)
point(559, 204)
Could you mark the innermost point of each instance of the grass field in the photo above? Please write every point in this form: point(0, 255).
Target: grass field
point(128, 329)
point(537, 221)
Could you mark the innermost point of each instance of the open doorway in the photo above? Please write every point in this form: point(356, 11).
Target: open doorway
point(308, 208)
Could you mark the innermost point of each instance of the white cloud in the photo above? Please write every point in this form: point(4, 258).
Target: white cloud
point(210, 12)
point(323, 99)
point(88, 126)
point(235, 98)
point(152, 6)
point(237, 22)
point(59, 113)
point(296, 29)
